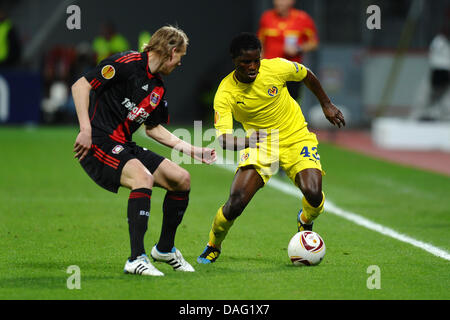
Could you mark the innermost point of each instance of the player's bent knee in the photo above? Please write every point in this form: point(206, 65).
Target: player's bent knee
point(172, 177)
point(143, 180)
point(181, 181)
point(146, 181)
point(184, 183)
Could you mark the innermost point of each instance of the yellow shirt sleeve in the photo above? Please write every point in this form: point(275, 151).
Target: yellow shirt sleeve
point(289, 70)
point(223, 117)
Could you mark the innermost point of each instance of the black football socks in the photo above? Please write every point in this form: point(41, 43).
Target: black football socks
point(138, 214)
point(174, 207)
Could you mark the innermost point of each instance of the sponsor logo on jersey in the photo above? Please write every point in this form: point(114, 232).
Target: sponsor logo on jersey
point(136, 113)
point(108, 72)
point(154, 99)
point(145, 88)
point(117, 149)
point(273, 91)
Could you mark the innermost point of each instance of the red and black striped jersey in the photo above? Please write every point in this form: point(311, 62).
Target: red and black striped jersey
point(125, 95)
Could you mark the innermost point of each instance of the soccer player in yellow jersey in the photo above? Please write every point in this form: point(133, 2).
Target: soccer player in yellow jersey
point(255, 94)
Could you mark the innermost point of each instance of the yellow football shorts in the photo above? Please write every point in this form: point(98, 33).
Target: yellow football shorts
point(292, 157)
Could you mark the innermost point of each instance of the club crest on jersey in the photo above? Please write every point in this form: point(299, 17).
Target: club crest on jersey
point(108, 72)
point(117, 149)
point(273, 91)
point(245, 157)
point(154, 99)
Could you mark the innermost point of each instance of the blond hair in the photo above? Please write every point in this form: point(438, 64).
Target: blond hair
point(165, 39)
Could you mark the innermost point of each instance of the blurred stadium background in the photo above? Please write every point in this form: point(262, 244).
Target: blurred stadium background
point(372, 74)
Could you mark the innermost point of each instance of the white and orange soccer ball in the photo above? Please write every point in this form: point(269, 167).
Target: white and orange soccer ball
point(306, 248)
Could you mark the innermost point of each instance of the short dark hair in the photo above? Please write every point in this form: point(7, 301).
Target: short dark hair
point(243, 42)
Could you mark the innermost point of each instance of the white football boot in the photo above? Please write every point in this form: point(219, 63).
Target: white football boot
point(173, 258)
point(142, 266)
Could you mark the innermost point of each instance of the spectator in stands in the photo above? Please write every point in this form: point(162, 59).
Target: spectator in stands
point(109, 42)
point(440, 74)
point(58, 68)
point(10, 49)
point(143, 39)
point(432, 100)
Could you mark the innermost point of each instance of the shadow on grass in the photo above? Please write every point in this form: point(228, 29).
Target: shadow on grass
point(53, 275)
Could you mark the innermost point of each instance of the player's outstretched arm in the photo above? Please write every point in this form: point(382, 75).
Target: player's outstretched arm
point(331, 112)
point(167, 138)
point(80, 93)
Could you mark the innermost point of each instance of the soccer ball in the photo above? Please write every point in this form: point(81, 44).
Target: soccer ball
point(306, 248)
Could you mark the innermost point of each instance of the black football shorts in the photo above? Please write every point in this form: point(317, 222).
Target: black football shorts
point(106, 159)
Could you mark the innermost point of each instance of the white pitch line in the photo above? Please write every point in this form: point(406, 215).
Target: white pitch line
point(357, 219)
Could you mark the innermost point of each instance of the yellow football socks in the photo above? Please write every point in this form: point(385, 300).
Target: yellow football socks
point(310, 213)
point(219, 229)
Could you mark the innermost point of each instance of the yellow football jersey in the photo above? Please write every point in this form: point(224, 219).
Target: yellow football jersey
point(263, 104)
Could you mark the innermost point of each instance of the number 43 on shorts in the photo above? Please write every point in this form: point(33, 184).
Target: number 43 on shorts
point(307, 154)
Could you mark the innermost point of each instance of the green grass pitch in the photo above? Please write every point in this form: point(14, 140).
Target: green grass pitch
point(53, 216)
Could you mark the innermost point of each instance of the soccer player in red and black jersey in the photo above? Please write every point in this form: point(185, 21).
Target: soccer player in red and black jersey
point(112, 101)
